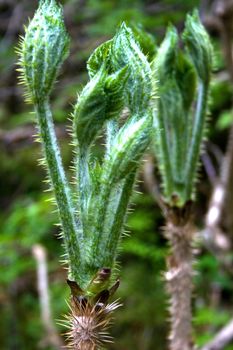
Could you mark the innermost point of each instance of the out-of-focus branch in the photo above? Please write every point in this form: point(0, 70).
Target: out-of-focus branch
point(221, 339)
point(209, 168)
point(221, 19)
point(52, 336)
point(221, 15)
point(150, 182)
point(212, 233)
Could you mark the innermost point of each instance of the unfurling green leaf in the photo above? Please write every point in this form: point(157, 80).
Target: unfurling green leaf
point(100, 100)
point(100, 55)
point(128, 147)
point(126, 51)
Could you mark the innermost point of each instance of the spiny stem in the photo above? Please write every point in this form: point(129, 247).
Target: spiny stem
point(178, 278)
point(88, 324)
point(60, 186)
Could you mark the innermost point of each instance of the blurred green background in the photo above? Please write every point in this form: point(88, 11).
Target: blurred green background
point(27, 216)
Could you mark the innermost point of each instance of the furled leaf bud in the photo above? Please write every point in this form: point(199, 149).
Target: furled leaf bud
point(183, 77)
point(198, 45)
point(101, 100)
point(172, 66)
point(126, 51)
point(99, 56)
point(43, 50)
point(89, 112)
point(128, 147)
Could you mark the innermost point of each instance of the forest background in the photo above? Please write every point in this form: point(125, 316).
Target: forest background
point(27, 217)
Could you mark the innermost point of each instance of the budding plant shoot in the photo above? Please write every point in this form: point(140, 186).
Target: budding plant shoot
point(92, 211)
point(131, 104)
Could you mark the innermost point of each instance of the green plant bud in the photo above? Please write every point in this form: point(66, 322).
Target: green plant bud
point(89, 112)
point(114, 89)
point(43, 50)
point(198, 45)
point(146, 41)
point(186, 79)
point(166, 55)
point(171, 64)
point(176, 91)
point(99, 56)
point(100, 100)
point(180, 118)
point(128, 147)
point(126, 51)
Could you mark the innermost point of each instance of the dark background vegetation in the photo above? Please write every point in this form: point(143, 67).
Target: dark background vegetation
point(27, 216)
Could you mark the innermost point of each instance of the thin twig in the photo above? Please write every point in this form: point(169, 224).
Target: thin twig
point(150, 182)
point(52, 336)
point(221, 339)
point(222, 14)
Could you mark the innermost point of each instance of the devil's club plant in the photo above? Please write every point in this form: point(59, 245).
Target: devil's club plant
point(92, 211)
point(117, 105)
point(184, 76)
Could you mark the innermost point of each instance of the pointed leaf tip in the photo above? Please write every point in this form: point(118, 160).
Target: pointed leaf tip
point(198, 45)
point(126, 51)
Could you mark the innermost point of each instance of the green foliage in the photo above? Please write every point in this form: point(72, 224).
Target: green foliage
point(208, 315)
point(220, 94)
point(27, 224)
point(183, 90)
point(23, 228)
point(225, 120)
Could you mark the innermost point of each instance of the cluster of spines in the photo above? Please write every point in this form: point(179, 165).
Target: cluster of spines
point(88, 324)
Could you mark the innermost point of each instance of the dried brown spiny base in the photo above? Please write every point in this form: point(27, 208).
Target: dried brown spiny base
point(89, 319)
point(88, 324)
